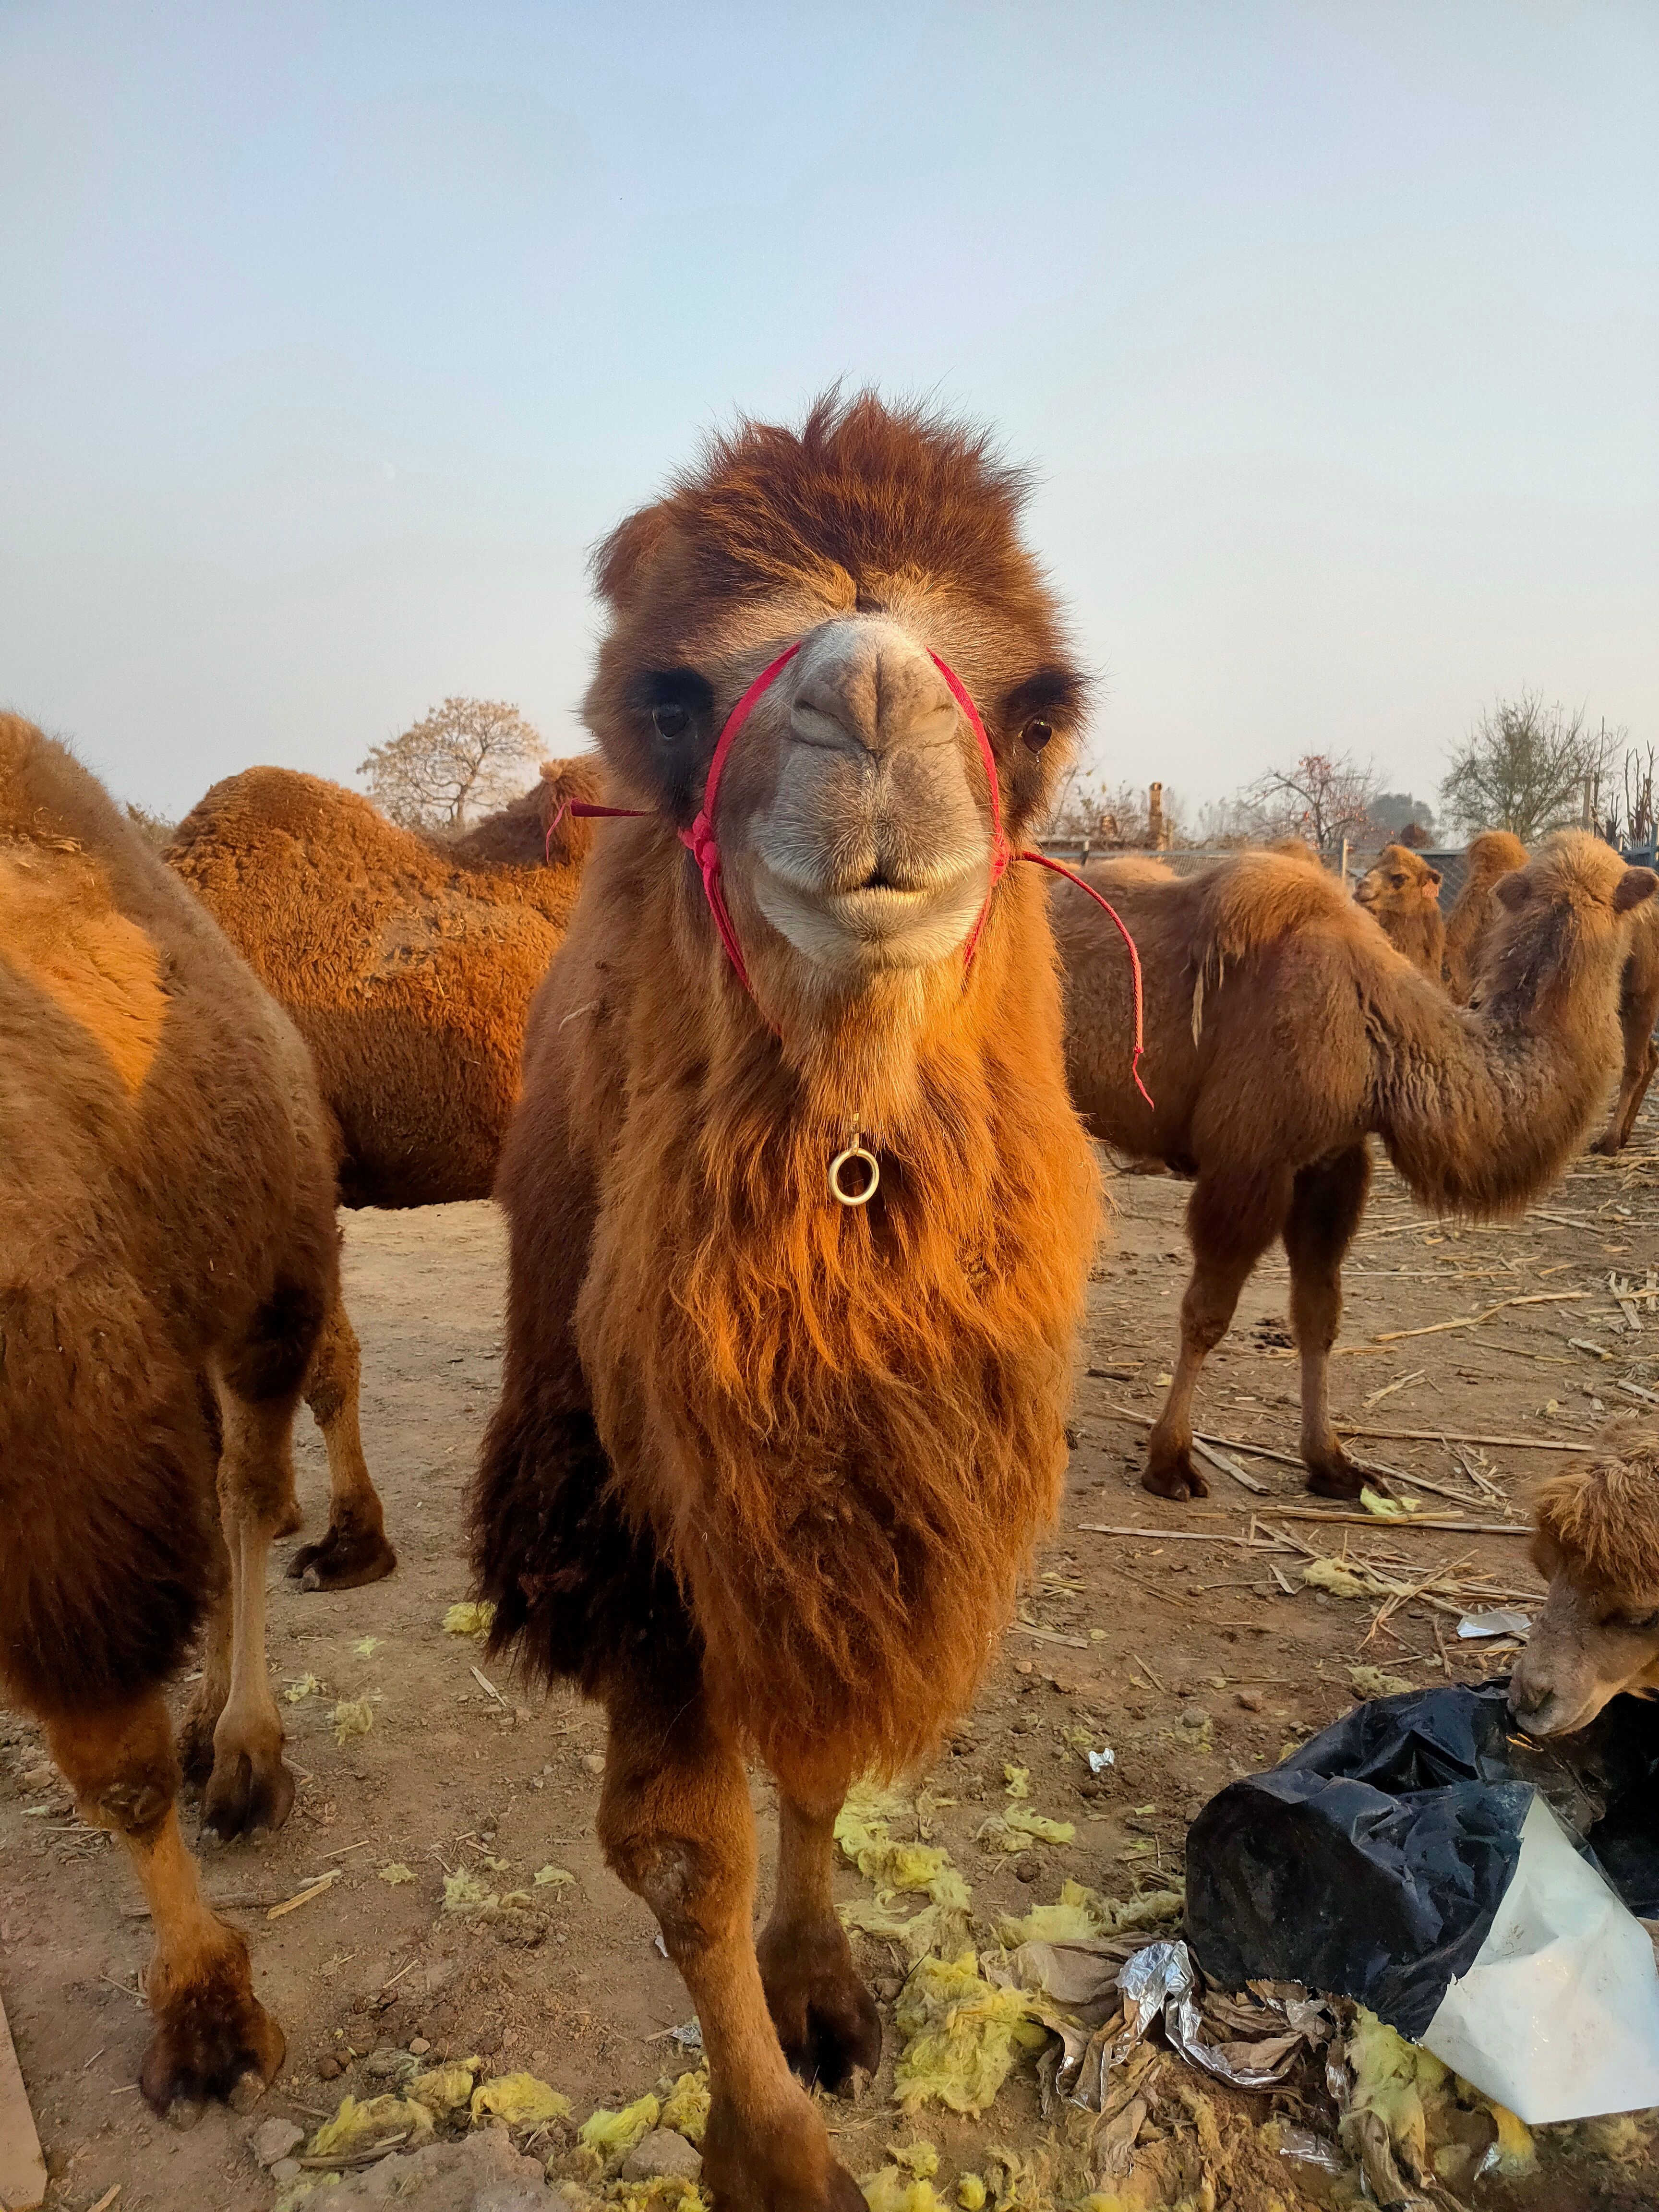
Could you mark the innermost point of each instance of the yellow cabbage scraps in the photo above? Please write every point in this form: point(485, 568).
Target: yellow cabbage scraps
point(961, 2035)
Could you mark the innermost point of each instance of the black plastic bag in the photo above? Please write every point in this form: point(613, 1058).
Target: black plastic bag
point(1372, 1862)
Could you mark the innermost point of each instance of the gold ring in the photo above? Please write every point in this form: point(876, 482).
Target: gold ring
point(855, 1151)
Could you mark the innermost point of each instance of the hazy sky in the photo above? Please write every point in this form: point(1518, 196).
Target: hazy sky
point(332, 336)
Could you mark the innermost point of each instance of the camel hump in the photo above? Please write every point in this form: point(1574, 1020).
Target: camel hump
point(1493, 853)
point(258, 802)
point(62, 929)
point(1262, 897)
point(531, 831)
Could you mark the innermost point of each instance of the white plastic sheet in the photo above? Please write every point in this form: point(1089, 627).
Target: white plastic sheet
point(1559, 2016)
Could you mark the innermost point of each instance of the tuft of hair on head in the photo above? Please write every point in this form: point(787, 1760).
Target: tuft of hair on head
point(1600, 1521)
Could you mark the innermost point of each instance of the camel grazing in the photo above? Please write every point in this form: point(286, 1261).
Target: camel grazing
point(168, 1261)
point(407, 964)
point(1401, 894)
point(799, 1210)
point(1494, 855)
point(1597, 1546)
point(1487, 859)
point(1282, 1029)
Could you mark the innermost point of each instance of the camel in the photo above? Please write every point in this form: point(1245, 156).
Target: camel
point(407, 964)
point(1283, 1030)
point(1494, 855)
point(1401, 894)
point(1597, 1546)
point(1489, 857)
point(799, 1211)
point(168, 1264)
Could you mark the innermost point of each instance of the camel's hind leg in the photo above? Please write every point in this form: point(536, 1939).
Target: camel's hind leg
point(249, 1787)
point(676, 1825)
point(212, 2036)
point(825, 2018)
point(1230, 1226)
point(1326, 1207)
point(354, 1550)
point(1637, 1015)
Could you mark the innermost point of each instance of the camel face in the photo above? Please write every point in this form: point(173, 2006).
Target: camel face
point(1586, 1646)
point(870, 848)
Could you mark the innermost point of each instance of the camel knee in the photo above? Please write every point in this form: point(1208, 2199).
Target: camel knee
point(121, 1764)
point(336, 1374)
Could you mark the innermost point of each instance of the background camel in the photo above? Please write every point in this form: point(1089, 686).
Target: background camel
point(1401, 894)
point(766, 1466)
point(1489, 858)
point(407, 965)
point(1282, 1029)
point(1494, 855)
point(167, 1234)
point(1597, 1544)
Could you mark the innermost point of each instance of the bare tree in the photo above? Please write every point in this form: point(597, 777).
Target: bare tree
point(469, 753)
point(156, 827)
point(1527, 768)
point(1640, 821)
point(1325, 798)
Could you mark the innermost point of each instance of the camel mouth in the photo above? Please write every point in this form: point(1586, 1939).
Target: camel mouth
point(1556, 1715)
point(876, 923)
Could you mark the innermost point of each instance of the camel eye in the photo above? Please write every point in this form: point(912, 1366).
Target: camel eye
point(1037, 734)
point(1399, 882)
point(670, 720)
point(1639, 1624)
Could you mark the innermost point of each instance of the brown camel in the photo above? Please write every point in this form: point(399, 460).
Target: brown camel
point(1401, 894)
point(767, 1464)
point(1597, 1546)
point(1489, 858)
point(1494, 855)
point(1283, 1030)
point(407, 964)
point(168, 1262)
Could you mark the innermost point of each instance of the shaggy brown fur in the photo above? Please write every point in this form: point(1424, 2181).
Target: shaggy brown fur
point(1283, 1030)
point(1401, 894)
point(407, 965)
point(1492, 856)
point(1601, 1518)
point(765, 1469)
point(167, 1260)
point(1597, 1546)
point(1489, 857)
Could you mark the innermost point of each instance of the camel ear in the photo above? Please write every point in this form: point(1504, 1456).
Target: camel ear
point(1513, 890)
point(1432, 886)
point(1634, 885)
point(620, 559)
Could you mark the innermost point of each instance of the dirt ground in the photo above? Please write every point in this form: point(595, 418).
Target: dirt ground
point(1183, 1651)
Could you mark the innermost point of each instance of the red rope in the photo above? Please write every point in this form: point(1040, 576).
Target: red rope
point(1058, 868)
point(701, 842)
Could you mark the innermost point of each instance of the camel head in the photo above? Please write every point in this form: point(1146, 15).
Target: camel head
point(855, 814)
point(1597, 1542)
point(1399, 881)
point(1561, 933)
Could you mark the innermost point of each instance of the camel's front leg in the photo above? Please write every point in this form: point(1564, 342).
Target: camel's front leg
point(1229, 1224)
point(676, 1825)
point(353, 1549)
point(1325, 1212)
point(212, 2036)
point(825, 2018)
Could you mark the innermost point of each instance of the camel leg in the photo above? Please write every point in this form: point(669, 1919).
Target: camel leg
point(825, 2018)
point(354, 1550)
point(1641, 1058)
point(1228, 1229)
point(250, 1787)
point(676, 1825)
point(212, 2038)
point(1326, 1207)
point(196, 1752)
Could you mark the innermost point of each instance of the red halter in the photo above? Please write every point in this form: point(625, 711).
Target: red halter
point(701, 842)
